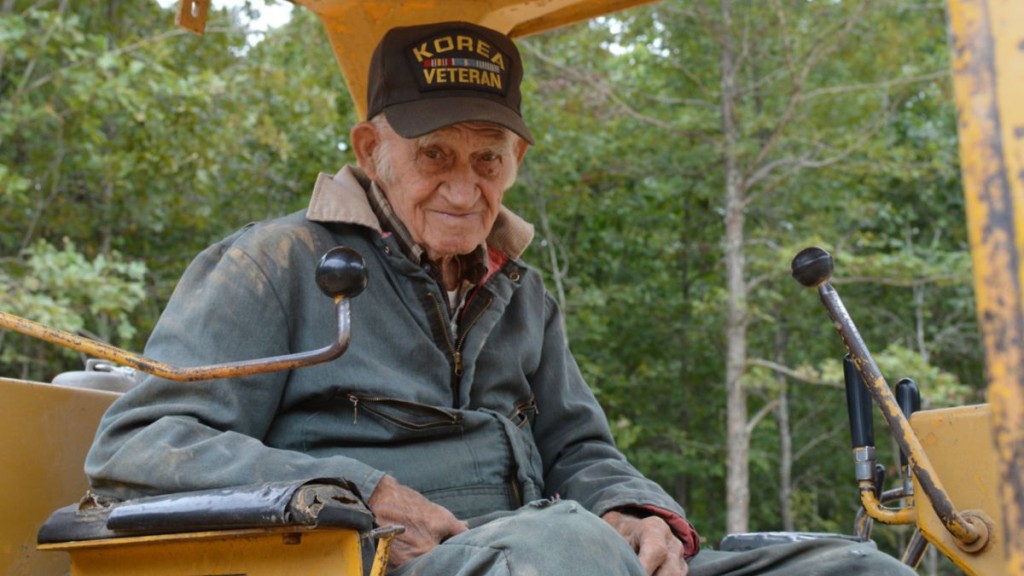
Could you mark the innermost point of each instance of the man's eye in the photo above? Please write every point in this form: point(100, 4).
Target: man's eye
point(434, 153)
point(488, 157)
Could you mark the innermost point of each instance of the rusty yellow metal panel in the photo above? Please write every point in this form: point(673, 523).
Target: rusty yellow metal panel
point(45, 432)
point(958, 442)
point(270, 552)
point(988, 71)
point(355, 26)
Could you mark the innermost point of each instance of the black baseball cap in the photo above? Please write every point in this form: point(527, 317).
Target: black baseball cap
point(427, 77)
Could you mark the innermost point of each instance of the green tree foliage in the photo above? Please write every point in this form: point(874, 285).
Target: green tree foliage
point(130, 137)
point(628, 173)
point(63, 289)
point(126, 146)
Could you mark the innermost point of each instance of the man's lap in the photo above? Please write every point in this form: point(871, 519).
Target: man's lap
point(542, 538)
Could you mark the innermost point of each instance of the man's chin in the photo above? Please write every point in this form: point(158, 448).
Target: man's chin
point(464, 244)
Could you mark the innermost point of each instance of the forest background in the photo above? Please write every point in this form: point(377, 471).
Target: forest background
point(685, 152)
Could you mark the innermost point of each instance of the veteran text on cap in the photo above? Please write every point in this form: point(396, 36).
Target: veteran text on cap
point(423, 78)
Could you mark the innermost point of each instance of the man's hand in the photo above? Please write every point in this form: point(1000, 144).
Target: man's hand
point(660, 552)
point(426, 524)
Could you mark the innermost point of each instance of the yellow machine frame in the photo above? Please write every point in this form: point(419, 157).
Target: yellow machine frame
point(355, 26)
point(988, 76)
point(263, 552)
point(987, 38)
point(948, 435)
point(41, 465)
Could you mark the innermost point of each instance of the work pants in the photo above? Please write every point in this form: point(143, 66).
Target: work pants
point(562, 539)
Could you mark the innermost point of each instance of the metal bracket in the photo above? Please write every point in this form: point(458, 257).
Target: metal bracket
point(384, 537)
point(192, 15)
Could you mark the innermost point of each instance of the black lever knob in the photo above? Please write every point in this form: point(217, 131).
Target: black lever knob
point(908, 397)
point(858, 402)
point(812, 266)
point(341, 273)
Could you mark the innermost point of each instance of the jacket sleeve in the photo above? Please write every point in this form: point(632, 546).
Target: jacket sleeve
point(580, 459)
point(165, 436)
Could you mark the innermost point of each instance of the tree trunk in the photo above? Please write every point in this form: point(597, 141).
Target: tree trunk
point(684, 396)
point(785, 434)
point(737, 470)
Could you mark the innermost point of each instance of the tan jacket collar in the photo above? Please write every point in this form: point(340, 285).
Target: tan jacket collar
point(342, 198)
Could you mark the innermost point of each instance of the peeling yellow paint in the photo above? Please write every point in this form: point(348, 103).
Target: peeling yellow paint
point(988, 68)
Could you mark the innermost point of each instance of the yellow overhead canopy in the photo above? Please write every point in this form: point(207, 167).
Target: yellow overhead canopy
point(355, 26)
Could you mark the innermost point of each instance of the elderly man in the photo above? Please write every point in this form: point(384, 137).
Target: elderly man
point(458, 410)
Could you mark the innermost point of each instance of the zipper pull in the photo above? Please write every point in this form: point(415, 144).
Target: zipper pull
point(458, 363)
point(355, 408)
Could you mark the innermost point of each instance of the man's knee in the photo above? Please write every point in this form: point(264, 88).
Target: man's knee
point(824, 556)
point(555, 537)
point(867, 559)
point(547, 523)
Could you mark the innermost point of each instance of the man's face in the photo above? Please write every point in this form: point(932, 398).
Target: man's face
point(447, 186)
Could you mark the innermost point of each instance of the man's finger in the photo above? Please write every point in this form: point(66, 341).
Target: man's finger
point(673, 564)
point(657, 548)
point(679, 568)
point(653, 552)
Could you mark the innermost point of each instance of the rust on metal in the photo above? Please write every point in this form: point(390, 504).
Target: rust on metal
point(963, 531)
point(190, 374)
point(948, 434)
point(988, 77)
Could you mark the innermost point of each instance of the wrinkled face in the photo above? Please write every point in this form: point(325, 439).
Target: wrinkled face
point(447, 186)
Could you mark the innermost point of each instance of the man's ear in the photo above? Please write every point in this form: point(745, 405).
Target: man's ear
point(521, 146)
point(365, 138)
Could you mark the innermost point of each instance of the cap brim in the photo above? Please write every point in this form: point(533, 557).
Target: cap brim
point(420, 117)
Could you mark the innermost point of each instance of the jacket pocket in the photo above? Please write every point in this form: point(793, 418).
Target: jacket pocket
point(526, 473)
point(407, 415)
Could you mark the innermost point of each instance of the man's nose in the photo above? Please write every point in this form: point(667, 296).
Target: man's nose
point(462, 185)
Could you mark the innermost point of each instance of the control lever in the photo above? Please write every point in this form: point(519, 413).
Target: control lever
point(879, 481)
point(908, 397)
point(812, 267)
point(862, 429)
point(341, 275)
point(862, 438)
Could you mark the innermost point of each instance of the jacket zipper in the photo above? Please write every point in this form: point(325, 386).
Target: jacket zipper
point(516, 493)
point(456, 349)
point(369, 402)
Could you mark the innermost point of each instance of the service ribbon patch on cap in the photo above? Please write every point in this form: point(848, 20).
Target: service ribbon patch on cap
point(459, 60)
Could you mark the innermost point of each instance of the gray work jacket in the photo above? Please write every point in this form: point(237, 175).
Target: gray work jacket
point(478, 419)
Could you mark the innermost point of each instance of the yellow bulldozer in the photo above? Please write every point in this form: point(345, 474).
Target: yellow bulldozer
point(963, 487)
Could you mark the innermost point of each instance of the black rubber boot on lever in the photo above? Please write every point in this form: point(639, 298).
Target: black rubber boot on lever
point(862, 429)
point(908, 396)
